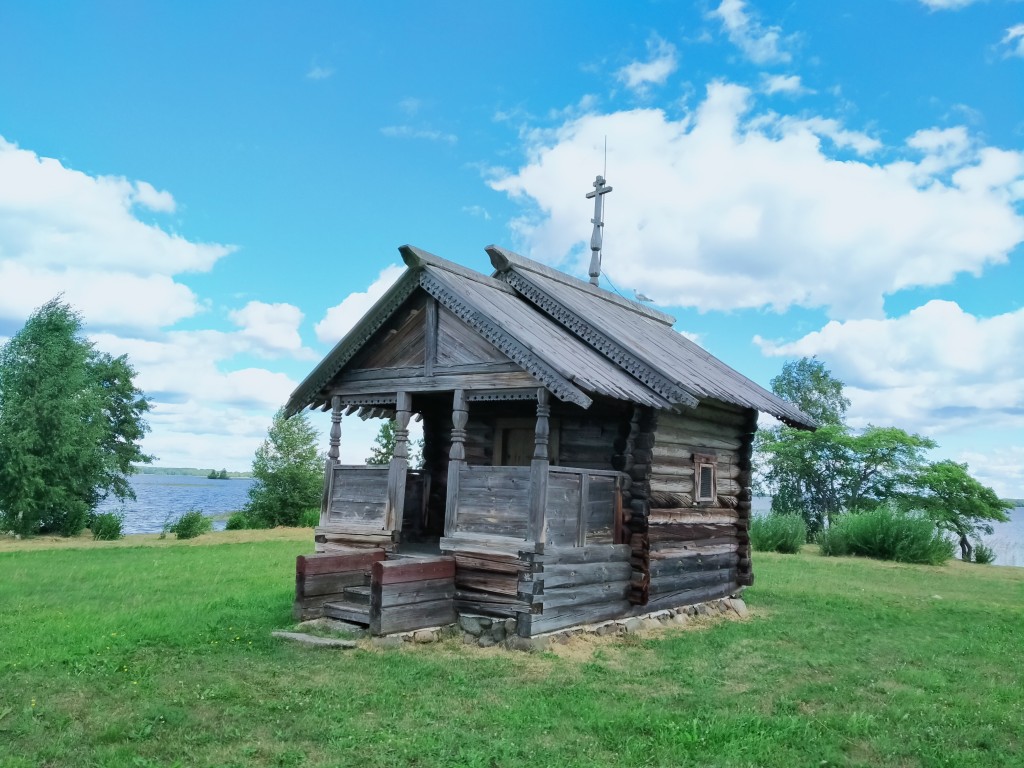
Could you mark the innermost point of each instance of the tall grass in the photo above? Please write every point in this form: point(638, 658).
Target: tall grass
point(778, 533)
point(886, 533)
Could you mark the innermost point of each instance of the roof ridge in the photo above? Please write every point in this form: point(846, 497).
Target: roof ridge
point(417, 258)
point(504, 260)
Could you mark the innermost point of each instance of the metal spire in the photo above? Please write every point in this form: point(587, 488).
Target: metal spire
point(600, 190)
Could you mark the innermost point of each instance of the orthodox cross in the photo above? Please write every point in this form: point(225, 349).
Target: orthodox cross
point(600, 190)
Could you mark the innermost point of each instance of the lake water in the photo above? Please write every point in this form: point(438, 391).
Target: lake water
point(163, 497)
point(1007, 539)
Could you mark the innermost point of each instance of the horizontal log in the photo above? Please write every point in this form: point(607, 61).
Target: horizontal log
point(582, 574)
point(690, 596)
point(676, 485)
point(588, 554)
point(507, 584)
point(692, 515)
point(397, 571)
point(691, 531)
point(404, 618)
point(407, 592)
point(530, 625)
point(679, 582)
point(487, 546)
point(699, 562)
point(310, 565)
point(506, 611)
point(593, 593)
point(496, 563)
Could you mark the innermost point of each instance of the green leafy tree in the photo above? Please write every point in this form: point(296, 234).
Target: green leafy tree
point(384, 447)
point(383, 444)
point(288, 473)
point(957, 502)
point(71, 420)
point(820, 474)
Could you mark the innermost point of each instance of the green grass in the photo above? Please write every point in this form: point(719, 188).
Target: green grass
point(161, 656)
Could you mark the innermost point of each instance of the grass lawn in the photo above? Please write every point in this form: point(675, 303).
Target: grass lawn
point(161, 655)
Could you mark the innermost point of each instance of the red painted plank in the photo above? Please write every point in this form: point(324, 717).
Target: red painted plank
point(310, 565)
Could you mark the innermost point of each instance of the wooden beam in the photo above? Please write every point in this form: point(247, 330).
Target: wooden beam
point(539, 466)
point(456, 458)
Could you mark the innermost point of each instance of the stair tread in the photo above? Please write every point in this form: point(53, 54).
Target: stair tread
point(357, 590)
point(354, 612)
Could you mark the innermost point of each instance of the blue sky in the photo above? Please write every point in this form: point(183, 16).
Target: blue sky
point(221, 188)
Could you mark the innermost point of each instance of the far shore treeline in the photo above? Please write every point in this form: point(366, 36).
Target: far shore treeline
point(187, 471)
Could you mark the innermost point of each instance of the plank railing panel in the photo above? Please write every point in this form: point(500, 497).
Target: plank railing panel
point(358, 495)
point(493, 501)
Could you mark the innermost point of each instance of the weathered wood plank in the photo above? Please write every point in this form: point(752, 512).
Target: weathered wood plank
point(403, 593)
point(698, 562)
point(530, 625)
point(311, 565)
point(678, 582)
point(405, 618)
point(398, 571)
point(689, 597)
point(581, 574)
point(587, 554)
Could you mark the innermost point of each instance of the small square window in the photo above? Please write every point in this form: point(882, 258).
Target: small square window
point(705, 482)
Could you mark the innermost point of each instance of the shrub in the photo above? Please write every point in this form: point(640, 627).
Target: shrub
point(983, 555)
point(239, 521)
point(107, 526)
point(310, 518)
point(886, 533)
point(191, 524)
point(778, 533)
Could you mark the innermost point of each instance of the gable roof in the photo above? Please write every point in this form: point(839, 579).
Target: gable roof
point(574, 338)
point(555, 357)
point(640, 339)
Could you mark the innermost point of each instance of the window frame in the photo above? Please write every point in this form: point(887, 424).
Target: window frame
point(702, 461)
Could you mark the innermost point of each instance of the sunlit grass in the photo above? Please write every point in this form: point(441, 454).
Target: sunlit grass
point(143, 656)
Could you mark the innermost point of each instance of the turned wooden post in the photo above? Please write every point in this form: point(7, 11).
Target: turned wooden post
point(399, 465)
point(537, 528)
point(333, 453)
point(456, 458)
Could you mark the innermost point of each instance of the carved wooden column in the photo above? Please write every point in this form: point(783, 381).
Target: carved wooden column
point(399, 465)
point(537, 528)
point(456, 458)
point(333, 453)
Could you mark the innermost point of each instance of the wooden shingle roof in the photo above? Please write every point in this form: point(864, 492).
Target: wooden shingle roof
point(573, 338)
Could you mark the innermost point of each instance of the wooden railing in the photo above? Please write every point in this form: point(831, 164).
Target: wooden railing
point(356, 497)
point(492, 508)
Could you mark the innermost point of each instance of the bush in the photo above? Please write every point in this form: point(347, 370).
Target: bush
point(885, 533)
point(107, 526)
point(778, 533)
point(983, 555)
point(310, 518)
point(191, 524)
point(239, 521)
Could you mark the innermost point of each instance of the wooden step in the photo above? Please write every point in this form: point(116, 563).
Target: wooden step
point(351, 612)
point(357, 595)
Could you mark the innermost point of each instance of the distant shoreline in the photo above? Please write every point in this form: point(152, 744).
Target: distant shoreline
point(186, 471)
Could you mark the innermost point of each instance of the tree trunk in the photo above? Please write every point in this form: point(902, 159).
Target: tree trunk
point(966, 550)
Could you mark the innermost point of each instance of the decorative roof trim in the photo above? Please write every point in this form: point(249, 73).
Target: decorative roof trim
point(637, 368)
point(504, 260)
point(351, 343)
point(516, 351)
point(487, 395)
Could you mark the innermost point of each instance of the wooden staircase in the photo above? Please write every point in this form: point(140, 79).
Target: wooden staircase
point(354, 608)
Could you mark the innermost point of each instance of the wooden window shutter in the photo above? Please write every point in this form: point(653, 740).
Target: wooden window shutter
point(705, 482)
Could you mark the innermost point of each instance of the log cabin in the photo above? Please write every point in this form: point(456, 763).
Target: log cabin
point(582, 461)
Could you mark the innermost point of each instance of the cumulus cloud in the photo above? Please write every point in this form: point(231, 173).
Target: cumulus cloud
point(1014, 40)
point(933, 370)
point(661, 63)
point(339, 319)
point(723, 210)
point(1002, 469)
point(788, 84)
point(62, 230)
point(761, 44)
point(272, 328)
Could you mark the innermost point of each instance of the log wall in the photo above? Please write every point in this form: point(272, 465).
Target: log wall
point(411, 594)
point(696, 551)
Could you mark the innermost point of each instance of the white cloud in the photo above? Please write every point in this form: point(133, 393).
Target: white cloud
point(272, 328)
point(339, 319)
point(947, 5)
point(661, 63)
point(1002, 469)
point(477, 210)
point(409, 132)
point(932, 370)
point(319, 73)
point(789, 84)
point(723, 210)
point(410, 105)
point(1014, 40)
point(762, 45)
point(62, 230)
